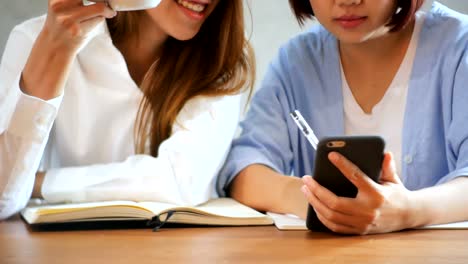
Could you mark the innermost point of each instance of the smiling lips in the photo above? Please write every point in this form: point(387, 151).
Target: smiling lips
point(350, 22)
point(193, 6)
point(194, 9)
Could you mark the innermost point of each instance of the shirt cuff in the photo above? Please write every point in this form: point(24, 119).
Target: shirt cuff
point(463, 172)
point(54, 102)
point(33, 117)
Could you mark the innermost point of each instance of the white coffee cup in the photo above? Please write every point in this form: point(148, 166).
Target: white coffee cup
point(127, 5)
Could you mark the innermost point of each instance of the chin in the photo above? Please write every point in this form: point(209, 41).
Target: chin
point(350, 38)
point(184, 35)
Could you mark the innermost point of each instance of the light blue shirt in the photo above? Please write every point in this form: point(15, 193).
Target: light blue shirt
point(306, 76)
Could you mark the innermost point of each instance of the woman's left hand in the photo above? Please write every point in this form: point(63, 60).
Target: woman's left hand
point(377, 208)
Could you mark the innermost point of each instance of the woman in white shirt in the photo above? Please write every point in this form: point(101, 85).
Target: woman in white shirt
point(142, 105)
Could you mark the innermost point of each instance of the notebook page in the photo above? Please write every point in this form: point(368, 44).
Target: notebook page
point(288, 222)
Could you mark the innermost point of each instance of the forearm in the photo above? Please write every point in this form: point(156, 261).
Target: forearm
point(138, 178)
point(47, 69)
point(440, 204)
point(262, 188)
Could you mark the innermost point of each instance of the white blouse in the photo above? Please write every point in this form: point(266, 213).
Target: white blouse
point(84, 139)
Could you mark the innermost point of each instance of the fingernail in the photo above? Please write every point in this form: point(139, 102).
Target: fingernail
point(305, 190)
point(307, 180)
point(332, 156)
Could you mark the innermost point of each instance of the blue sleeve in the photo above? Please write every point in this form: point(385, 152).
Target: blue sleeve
point(265, 137)
point(457, 135)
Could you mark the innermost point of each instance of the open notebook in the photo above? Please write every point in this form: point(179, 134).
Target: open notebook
point(223, 212)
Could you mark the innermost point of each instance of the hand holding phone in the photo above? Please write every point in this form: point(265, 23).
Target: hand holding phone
point(129, 5)
point(366, 152)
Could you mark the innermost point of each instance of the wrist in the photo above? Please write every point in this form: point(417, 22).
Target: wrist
point(417, 214)
point(54, 48)
point(296, 202)
point(51, 43)
point(46, 70)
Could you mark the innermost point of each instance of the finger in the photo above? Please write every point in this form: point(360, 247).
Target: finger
point(327, 197)
point(389, 173)
point(337, 228)
point(331, 215)
point(57, 6)
point(76, 20)
point(87, 25)
point(352, 172)
point(343, 211)
point(83, 13)
point(321, 192)
point(347, 206)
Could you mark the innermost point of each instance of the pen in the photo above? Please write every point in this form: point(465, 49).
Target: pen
point(305, 128)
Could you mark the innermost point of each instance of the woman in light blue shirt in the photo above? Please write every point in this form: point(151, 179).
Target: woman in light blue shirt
point(371, 67)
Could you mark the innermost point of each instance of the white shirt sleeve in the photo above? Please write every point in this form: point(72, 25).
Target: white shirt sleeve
point(25, 125)
point(183, 173)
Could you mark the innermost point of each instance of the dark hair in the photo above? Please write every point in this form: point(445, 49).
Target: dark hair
point(303, 11)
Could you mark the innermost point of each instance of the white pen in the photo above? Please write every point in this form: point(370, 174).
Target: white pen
point(305, 128)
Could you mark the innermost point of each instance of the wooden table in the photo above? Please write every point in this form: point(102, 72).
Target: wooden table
point(20, 244)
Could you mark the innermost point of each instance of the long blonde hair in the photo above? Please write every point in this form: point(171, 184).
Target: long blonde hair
point(217, 61)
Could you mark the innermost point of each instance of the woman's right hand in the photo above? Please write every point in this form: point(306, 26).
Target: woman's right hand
point(67, 26)
point(69, 22)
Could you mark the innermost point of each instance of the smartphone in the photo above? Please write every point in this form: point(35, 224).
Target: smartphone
point(366, 152)
point(128, 5)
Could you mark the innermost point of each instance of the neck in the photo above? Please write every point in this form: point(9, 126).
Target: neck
point(379, 50)
point(143, 49)
point(370, 67)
